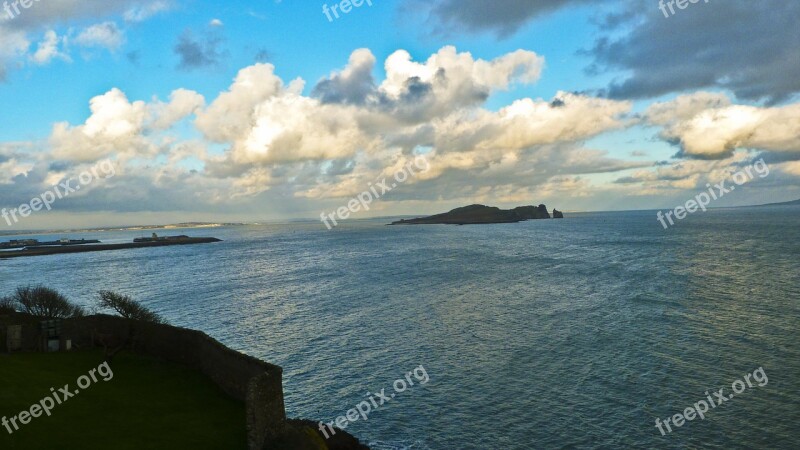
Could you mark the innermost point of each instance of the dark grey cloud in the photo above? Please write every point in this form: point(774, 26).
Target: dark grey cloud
point(134, 57)
point(503, 17)
point(23, 187)
point(416, 89)
point(263, 55)
point(751, 48)
point(198, 54)
point(48, 13)
point(354, 87)
point(60, 166)
point(778, 158)
point(415, 103)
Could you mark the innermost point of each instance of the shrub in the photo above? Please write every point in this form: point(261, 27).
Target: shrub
point(127, 307)
point(42, 301)
point(7, 305)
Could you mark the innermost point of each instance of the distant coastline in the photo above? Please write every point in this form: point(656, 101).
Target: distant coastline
point(43, 251)
point(791, 203)
point(183, 225)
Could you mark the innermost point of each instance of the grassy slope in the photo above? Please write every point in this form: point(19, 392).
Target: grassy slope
point(148, 404)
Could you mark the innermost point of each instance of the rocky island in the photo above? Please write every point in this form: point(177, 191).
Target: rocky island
point(481, 214)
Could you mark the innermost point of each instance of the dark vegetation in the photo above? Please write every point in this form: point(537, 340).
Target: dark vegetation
point(42, 302)
point(127, 307)
point(7, 305)
point(47, 303)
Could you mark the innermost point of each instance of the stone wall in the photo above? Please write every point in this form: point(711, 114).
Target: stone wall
point(31, 337)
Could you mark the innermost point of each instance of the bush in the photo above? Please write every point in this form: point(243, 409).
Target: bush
point(7, 305)
point(42, 301)
point(127, 307)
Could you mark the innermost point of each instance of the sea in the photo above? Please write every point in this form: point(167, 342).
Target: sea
point(549, 334)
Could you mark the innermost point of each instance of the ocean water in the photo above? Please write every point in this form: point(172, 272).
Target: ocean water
point(545, 334)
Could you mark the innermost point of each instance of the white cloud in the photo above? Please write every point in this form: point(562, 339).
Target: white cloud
point(142, 12)
point(262, 138)
point(791, 168)
point(183, 103)
point(106, 34)
point(47, 49)
point(527, 123)
point(715, 128)
point(685, 107)
point(60, 16)
point(230, 115)
point(115, 126)
point(12, 168)
point(270, 125)
point(14, 43)
point(458, 76)
point(266, 122)
point(119, 127)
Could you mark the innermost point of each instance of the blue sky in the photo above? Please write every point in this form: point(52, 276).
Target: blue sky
point(564, 102)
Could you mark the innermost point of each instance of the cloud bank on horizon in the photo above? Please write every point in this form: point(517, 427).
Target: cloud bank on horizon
point(714, 86)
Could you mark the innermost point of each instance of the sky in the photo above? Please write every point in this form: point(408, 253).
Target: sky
point(163, 111)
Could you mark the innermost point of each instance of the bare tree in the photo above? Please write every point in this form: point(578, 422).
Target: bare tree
point(127, 307)
point(42, 301)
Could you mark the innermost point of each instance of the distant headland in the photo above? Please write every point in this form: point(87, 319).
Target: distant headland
point(791, 203)
point(482, 214)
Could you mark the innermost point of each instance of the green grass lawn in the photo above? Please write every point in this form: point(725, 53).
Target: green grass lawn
point(148, 404)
